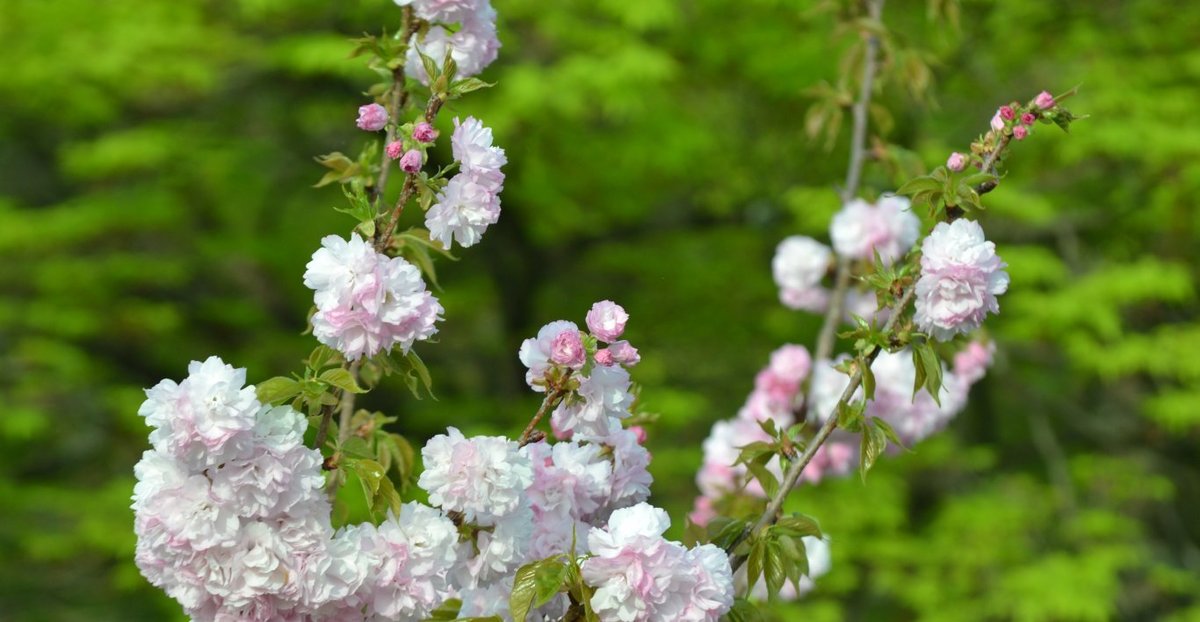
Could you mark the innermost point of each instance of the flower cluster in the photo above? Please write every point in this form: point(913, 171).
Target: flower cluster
point(581, 495)
point(470, 202)
point(777, 392)
point(859, 232)
point(463, 29)
point(368, 302)
point(232, 520)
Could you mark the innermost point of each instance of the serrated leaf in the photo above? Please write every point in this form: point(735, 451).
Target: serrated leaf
point(774, 567)
point(535, 584)
point(277, 390)
point(872, 445)
point(369, 471)
point(920, 184)
point(462, 87)
point(754, 562)
point(767, 479)
point(919, 366)
point(422, 372)
point(887, 430)
point(342, 379)
point(933, 371)
point(850, 416)
point(797, 525)
point(323, 356)
point(868, 379)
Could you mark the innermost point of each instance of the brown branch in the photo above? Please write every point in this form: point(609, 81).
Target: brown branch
point(384, 235)
point(858, 147)
point(347, 405)
point(797, 468)
point(554, 395)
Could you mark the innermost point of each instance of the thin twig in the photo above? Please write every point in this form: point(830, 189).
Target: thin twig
point(323, 430)
point(384, 236)
point(858, 138)
point(399, 99)
point(833, 315)
point(797, 468)
point(347, 406)
point(858, 151)
point(552, 399)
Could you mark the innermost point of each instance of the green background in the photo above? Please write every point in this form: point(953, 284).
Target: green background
point(155, 208)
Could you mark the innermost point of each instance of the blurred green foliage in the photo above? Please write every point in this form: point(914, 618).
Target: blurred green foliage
point(155, 207)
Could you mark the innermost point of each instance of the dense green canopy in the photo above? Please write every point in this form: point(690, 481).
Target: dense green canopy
point(156, 207)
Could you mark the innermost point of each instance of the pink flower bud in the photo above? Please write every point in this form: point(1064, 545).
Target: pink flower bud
point(639, 432)
point(606, 320)
point(567, 349)
point(624, 353)
point(1006, 112)
point(956, 162)
point(604, 357)
point(394, 149)
point(1044, 100)
point(1020, 132)
point(372, 117)
point(1028, 118)
point(997, 122)
point(424, 132)
point(411, 161)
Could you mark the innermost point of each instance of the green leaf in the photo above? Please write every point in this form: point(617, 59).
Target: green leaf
point(744, 611)
point(798, 525)
point(462, 87)
point(754, 563)
point(369, 471)
point(868, 379)
point(356, 447)
point(341, 168)
point(447, 610)
point(873, 443)
point(342, 379)
point(277, 390)
point(758, 468)
point(920, 184)
point(422, 372)
point(323, 356)
point(887, 430)
point(933, 371)
point(431, 68)
point(774, 565)
point(850, 416)
point(535, 584)
point(723, 531)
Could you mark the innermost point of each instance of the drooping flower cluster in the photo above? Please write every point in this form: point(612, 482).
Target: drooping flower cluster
point(470, 202)
point(961, 275)
point(232, 520)
point(368, 302)
point(464, 29)
point(521, 504)
point(639, 575)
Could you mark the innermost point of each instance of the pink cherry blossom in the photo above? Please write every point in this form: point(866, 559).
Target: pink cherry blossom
point(606, 320)
point(372, 117)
